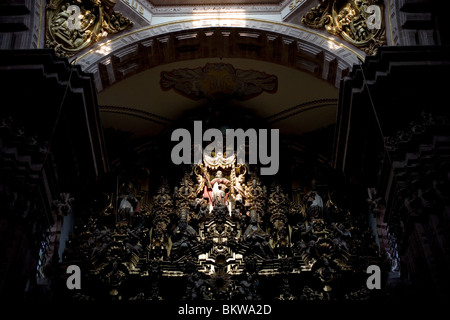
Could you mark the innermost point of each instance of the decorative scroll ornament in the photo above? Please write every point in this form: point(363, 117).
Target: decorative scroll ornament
point(219, 160)
point(73, 25)
point(218, 80)
point(359, 22)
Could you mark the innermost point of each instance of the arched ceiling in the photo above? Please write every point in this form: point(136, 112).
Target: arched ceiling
point(307, 68)
point(127, 69)
point(138, 105)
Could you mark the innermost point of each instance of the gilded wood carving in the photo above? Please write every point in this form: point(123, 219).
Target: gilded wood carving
point(73, 25)
point(359, 22)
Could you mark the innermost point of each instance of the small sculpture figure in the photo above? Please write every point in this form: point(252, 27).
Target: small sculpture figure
point(184, 236)
point(256, 238)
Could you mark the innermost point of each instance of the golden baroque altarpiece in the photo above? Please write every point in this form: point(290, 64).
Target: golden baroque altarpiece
point(220, 234)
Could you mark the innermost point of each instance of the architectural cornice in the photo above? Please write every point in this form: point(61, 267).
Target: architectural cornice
point(303, 43)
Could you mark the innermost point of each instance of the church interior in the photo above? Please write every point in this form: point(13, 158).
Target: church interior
point(93, 90)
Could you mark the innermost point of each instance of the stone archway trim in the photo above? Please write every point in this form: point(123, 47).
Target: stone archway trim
point(287, 44)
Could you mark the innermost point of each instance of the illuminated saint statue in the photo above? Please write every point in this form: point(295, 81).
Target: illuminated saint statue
point(216, 190)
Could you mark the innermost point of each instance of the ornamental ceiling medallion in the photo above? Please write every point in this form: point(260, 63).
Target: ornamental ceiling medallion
point(218, 80)
point(359, 22)
point(73, 25)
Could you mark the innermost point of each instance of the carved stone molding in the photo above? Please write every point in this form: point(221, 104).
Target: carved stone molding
point(133, 112)
point(21, 24)
point(234, 6)
point(286, 44)
point(412, 22)
point(303, 107)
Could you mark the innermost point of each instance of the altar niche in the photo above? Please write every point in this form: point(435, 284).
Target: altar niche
point(257, 150)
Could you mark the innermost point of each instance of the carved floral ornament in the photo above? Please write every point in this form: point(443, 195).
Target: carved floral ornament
point(73, 25)
point(218, 80)
point(359, 22)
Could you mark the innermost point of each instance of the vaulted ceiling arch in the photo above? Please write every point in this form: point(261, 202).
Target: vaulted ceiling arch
point(290, 45)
